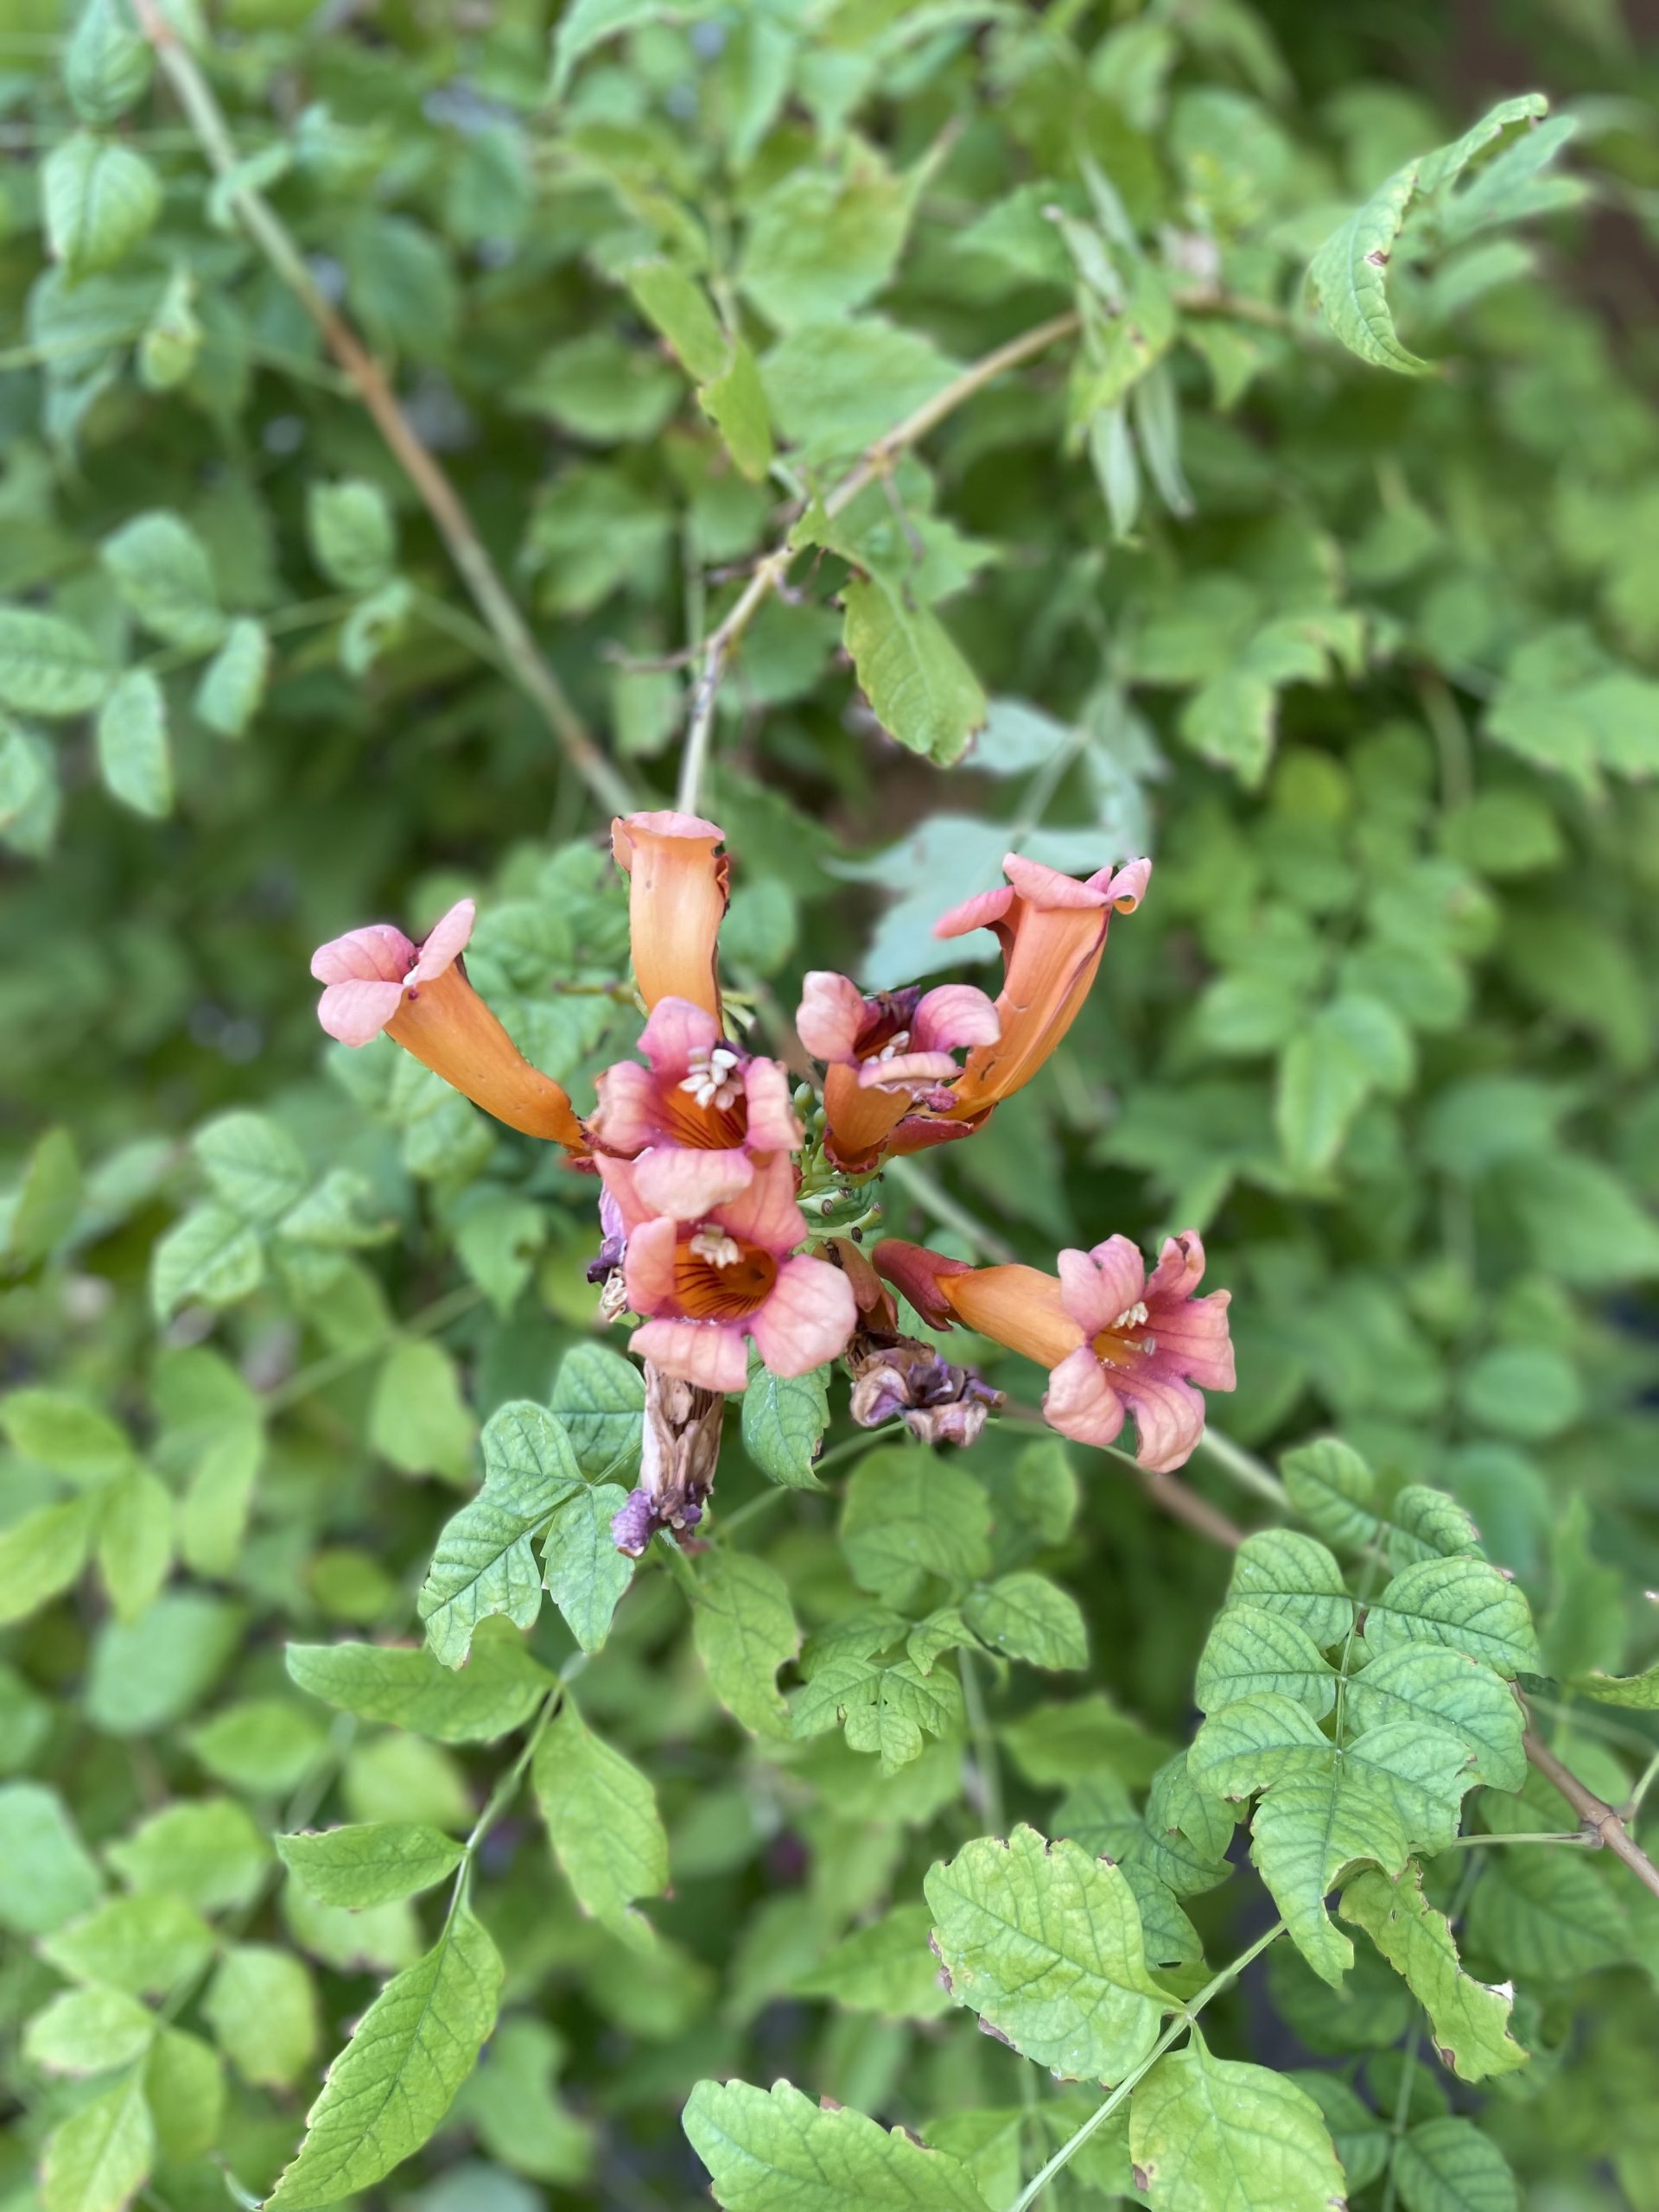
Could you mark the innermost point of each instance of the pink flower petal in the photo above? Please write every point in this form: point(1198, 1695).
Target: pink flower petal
point(953, 1015)
point(981, 913)
point(625, 1118)
point(1179, 1269)
point(688, 1184)
point(677, 1033)
point(617, 1176)
point(905, 1069)
point(1045, 886)
point(1098, 1287)
point(445, 942)
point(375, 954)
point(807, 1319)
point(1080, 1402)
point(711, 1353)
point(831, 1013)
point(773, 1124)
point(648, 1269)
point(1127, 887)
point(1169, 1420)
point(666, 823)
point(355, 1013)
point(766, 1213)
point(1194, 1343)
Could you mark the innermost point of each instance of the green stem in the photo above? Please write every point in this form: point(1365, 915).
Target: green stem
point(1246, 1470)
point(1633, 1803)
point(985, 1763)
point(1532, 1835)
point(946, 1210)
point(679, 1567)
point(1184, 2019)
point(329, 1369)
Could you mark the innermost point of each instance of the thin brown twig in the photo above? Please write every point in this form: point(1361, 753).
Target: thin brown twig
point(443, 503)
point(877, 463)
point(1600, 1824)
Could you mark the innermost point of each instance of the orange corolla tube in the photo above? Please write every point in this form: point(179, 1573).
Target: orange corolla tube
point(679, 885)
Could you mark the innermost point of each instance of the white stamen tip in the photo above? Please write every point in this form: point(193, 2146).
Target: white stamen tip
point(715, 1246)
point(1132, 1316)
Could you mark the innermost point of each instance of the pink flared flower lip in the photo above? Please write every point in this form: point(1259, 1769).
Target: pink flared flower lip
point(1122, 888)
point(834, 1013)
point(367, 972)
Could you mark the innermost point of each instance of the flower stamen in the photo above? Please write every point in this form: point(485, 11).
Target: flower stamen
point(718, 1248)
point(715, 1078)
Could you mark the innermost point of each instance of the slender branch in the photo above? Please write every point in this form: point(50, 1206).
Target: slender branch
point(911, 1177)
point(1246, 1470)
point(1184, 1504)
point(490, 594)
point(985, 1764)
point(333, 1364)
point(1182, 2020)
point(1601, 1823)
point(876, 464)
point(1634, 1803)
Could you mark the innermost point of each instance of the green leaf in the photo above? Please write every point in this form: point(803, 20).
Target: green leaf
point(212, 1256)
point(1279, 1571)
point(370, 1863)
point(108, 63)
point(603, 1824)
point(98, 198)
point(909, 1514)
point(98, 2157)
point(886, 1707)
point(145, 1945)
point(209, 1851)
point(1448, 2166)
point(1044, 1943)
point(1470, 2021)
point(352, 537)
point(60, 1432)
point(496, 1692)
point(47, 1877)
point(1248, 1651)
point(1463, 1603)
point(184, 2087)
point(234, 682)
point(783, 1419)
point(485, 1563)
point(47, 666)
point(736, 405)
point(135, 1540)
point(599, 1399)
point(888, 1967)
point(512, 2102)
point(265, 1745)
point(134, 757)
point(1545, 1916)
point(418, 1419)
point(744, 1628)
point(1639, 1693)
point(766, 2148)
point(1323, 1083)
point(1451, 1690)
point(920, 688)
point(262, 2007)
point(588, 24)
point(679, 307)
point(1207, 2131)
point(1333, 1490)
point(1027, 1617)
point(42, 1555)
point(164, 574)
point(820, 246)
point(253, 1164)
point(89, 2031)
point(388, 2091)
point(587, 1575)
point(41, 1209)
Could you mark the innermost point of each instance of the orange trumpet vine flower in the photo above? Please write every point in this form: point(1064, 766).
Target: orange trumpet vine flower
point(679, 884)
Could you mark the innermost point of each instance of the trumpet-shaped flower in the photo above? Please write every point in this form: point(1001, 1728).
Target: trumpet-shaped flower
point(706, 1284)
point(1053, 932)
point(696, 1118)
point(678, 887)
point(880, 1054)
point(1115, 1340)
point(375, 979)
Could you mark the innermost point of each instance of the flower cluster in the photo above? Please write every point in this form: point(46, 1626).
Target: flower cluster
point(702, 1156)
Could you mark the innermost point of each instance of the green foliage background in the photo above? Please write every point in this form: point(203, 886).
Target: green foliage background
point(1362, 650)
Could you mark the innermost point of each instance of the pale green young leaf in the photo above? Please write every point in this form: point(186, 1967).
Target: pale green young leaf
point(1280, 1571)
point(1461, 1602)
point(1449, 2165)
point(145, 1945)
point(418, 1418)
point(371, 1863)
point(744, 1628)
point(211, 1254)
point(135, 1540)
point(233, 684)
point(352, 535)
point(1027, 1617)
point(134, 757)
point(589, 23)
point(163, 572)
point(1323, 1083)
point(1546, 1916)
point(264, 1745)
point(678, 308)
point(603, 1821)
point(1333, 1490)
point(1427, 1523)
point(888, 1967)
point(920, 688)
point(89, 2031)
point(1638, 1693)
point(1462, 1696)
point(735, 403)
point(822, 245)
point(47, 1875)
point(49, 666)
point(388, 2091)
point(253, 1164)
point(99, 198)
point(887, 1708)
point(585, 1574)
point(184, 2087)
point(599, 1402)
point(1248, 1651)
point(107, 63)
point(262, 2006)
point(1044, 1943)
point(497, 1690)
point(1306, 1828)
point(1206, 2131)
point(64, 1433)
point(209, 1851)
point(1470, 2020)
point(763, 2149)
point(513, 2103)
point(1052, 1744)
point(97, 2160)
point(784, 1419)
point(42, 1555)
point(908, 1514)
